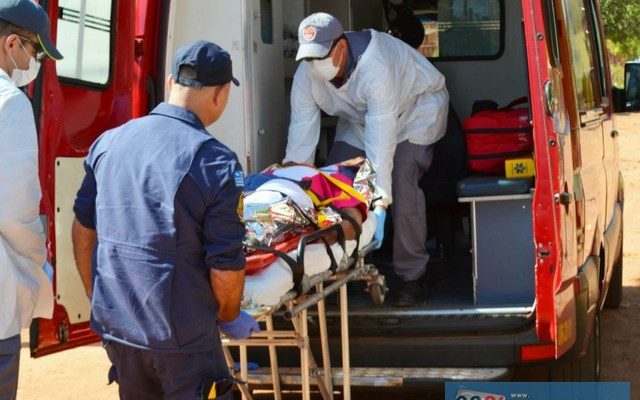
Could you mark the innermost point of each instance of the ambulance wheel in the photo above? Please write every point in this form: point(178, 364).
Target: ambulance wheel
point(590, 363)
point(378, 291)
point(587, 369)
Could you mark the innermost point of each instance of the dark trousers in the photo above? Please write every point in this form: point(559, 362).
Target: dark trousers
point(9, 364)
point(149, 375)
point(408, 210)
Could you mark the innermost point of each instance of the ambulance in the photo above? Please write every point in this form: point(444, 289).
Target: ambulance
point(523, 273)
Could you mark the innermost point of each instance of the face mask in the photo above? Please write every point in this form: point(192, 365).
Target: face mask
point(325, 68)
point(23, 77)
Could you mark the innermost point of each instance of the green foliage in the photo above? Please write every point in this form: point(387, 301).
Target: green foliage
point(622, 27)
point(621, 19)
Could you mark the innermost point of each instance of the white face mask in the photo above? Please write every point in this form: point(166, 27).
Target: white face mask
point(325, 69)
point(23, 77)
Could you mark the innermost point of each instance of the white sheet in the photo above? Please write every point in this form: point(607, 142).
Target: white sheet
point(267, 286)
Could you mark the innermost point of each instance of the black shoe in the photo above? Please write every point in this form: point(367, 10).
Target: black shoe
point(411, 294)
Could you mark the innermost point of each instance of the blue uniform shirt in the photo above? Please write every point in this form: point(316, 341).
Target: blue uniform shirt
point(164, 198)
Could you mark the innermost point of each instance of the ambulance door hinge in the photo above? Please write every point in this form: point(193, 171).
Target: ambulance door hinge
point(542, 251)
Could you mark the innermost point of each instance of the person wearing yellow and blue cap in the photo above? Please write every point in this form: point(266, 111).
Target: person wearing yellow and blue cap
point(391, 105)
point(158, 212)
point(25, 283)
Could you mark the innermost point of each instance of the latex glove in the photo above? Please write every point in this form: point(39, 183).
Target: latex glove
point(250, 366)
point(381, 216)
point(239, 328)
point(48, 269)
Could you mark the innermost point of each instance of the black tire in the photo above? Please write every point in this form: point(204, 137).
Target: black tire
point(587, 369)
point(614, 295)
point(590, 363)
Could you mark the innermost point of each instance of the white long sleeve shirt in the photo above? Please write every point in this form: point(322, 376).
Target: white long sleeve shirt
point(393, 95)
point(25, 289)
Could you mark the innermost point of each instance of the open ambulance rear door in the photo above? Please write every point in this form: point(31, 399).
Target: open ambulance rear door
point(76, 99)
point(576, 182)
point(116, 56)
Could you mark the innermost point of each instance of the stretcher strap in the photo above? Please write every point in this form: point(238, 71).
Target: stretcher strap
point(316, 227)
point(334, 265)
point(296, 269)
point(356, 227)
point(321, 234)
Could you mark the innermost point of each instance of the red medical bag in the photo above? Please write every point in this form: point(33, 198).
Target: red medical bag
point(496, 135)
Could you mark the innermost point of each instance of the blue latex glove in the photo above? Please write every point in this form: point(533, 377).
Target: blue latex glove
point(239, 328)
point(381, 216)
point(48, 269)
point(250, 366)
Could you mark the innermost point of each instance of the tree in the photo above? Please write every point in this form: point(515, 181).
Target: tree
point(621, 20)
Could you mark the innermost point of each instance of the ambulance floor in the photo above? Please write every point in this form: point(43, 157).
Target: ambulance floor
point(448, 283)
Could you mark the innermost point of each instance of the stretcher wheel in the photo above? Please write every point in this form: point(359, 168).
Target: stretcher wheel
point(378, 291)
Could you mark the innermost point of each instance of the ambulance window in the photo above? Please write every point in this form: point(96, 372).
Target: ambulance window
point(552, 35)
point(461, 29)
point(582, 63)
point(266, 21)
point(84, 38)
point(599, 53)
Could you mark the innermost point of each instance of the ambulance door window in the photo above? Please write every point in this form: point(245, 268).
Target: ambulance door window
point(85, 39)
point(598, 42)
point(266, 21)
point(552, 36)
point(582, 62)
point(461, 29)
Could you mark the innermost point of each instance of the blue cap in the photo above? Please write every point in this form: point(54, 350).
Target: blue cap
point(30, 16)
point(212, 65)
point(316, 35)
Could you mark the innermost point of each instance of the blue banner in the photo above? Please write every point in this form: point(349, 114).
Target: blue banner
point(537, 391)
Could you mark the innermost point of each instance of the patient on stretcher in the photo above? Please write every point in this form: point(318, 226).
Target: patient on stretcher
point(283, 203)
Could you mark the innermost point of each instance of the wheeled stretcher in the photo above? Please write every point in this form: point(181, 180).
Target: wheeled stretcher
point(314, 276)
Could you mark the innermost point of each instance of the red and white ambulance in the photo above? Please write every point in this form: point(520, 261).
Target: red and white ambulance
point(473, 325)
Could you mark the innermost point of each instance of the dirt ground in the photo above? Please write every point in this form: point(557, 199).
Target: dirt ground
point(82, 373)
point(621, 328)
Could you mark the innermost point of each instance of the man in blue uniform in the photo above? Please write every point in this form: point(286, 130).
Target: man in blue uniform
point(160, 204)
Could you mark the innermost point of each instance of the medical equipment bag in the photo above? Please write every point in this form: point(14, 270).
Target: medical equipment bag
point(496, 135)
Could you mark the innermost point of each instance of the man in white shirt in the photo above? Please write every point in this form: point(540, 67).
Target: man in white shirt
point(25, 285)
point(391, 105)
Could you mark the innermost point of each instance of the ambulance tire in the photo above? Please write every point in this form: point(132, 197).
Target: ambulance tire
point(587, 369)
point(614, 295)
point(590, 363)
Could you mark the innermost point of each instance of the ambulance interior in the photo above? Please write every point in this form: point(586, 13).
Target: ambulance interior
point(481, 240)
point(479, 46)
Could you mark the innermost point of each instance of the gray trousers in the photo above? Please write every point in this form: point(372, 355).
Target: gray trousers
point(408, 210)
point(9, 364)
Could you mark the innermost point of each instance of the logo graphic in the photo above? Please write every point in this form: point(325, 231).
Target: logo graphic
point(238, 178)
point(309, 33)
point(465, 394)
point(519, 168)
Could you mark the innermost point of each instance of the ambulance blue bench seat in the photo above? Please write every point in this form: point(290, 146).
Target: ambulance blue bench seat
point(502, 239)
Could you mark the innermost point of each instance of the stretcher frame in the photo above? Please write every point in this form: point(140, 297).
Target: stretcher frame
point(295, 305)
